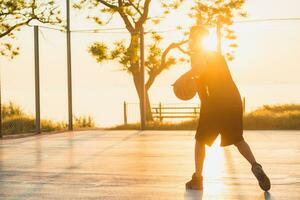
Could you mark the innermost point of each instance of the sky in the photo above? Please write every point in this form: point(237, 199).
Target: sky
point(266, 68)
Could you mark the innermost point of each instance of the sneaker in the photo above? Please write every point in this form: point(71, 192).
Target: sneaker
point(263, 180)
point(195, 184)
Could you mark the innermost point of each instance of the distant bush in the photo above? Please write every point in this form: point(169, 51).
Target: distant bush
point(278, 117)
point(268, 117)
point(10, 110)
point(84, 122)
point(15, 121)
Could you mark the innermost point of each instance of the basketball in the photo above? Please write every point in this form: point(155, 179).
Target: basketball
point(184, 87)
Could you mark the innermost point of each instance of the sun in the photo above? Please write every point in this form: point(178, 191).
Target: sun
point(210, 42)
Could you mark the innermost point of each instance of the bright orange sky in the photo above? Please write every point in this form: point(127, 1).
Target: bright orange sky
point(268, 54)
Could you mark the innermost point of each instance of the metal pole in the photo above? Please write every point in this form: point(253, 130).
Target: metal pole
point(219, 36)
point(160, 114)
point(1, 134)
point(244, 105)
point(125, 112)
point(37, 80)
point(142, 86)
point(69, 64)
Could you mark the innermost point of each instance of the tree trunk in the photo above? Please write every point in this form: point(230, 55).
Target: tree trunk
point(135, 71)
point(137, 83)
point(149, 116)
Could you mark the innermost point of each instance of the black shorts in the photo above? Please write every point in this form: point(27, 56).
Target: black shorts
point(227, 122)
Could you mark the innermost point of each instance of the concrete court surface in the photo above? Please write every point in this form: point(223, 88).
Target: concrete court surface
point(143, 165)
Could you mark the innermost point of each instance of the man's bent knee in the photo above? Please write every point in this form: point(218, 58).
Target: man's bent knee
point(239, 143)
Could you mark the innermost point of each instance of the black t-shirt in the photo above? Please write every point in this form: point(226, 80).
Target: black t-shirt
point(214, 77)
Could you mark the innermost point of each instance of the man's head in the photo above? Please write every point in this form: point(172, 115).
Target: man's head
point(197, 34)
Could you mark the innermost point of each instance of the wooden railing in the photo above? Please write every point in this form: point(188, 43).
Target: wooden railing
point(166, 111)
point(172, 111)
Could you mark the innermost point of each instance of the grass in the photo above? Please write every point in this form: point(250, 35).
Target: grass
point(268, 117)
point(276, 117)
point(16, 121)
point(156, 125)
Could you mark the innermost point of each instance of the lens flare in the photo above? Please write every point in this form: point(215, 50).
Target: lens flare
point(210, 42)
point(214, 161)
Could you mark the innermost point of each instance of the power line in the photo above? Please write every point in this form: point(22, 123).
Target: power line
point(51, 28)
point(117, 30)
point(120, 32)
point(102, 32)
point(269, 20)
point(242, 21)
point(96, 30)
point(187, 28)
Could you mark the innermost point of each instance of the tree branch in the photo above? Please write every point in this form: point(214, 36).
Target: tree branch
point(168, 49)
point(125, 17)
point(5, 13)
point(183, 51)
point(152, 76)
point(127, 22)
point(150, 81)
point(136, 7)
point(108, 4)
point(14, 27)
point(144, 16)
point(120, 3)
point(122, 14)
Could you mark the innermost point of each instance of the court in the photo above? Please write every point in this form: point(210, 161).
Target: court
point(102, 164)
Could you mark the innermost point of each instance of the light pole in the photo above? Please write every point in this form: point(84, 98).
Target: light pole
point(37, 80)
point(1, 134)
point(69, 70)
point(142, 84)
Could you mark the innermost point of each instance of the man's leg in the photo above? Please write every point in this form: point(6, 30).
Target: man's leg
point(245, 150)
point(196, 183)
point(199, 158)
point(263, 180)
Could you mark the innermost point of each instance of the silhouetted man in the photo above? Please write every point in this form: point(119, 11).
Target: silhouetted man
point(221, 109)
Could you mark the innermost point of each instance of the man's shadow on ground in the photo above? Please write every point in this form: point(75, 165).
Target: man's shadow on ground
point(198, 195)
point(267, 196)
point(193, 195)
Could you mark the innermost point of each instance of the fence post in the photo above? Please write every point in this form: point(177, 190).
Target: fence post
point(244, 105)
point(195, 111)
point(160, 113)
point(37, 81)
point(125, 112)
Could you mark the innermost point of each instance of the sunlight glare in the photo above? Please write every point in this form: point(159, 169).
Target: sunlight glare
point(214, 161)
point(214, 167)
point(210, 42)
